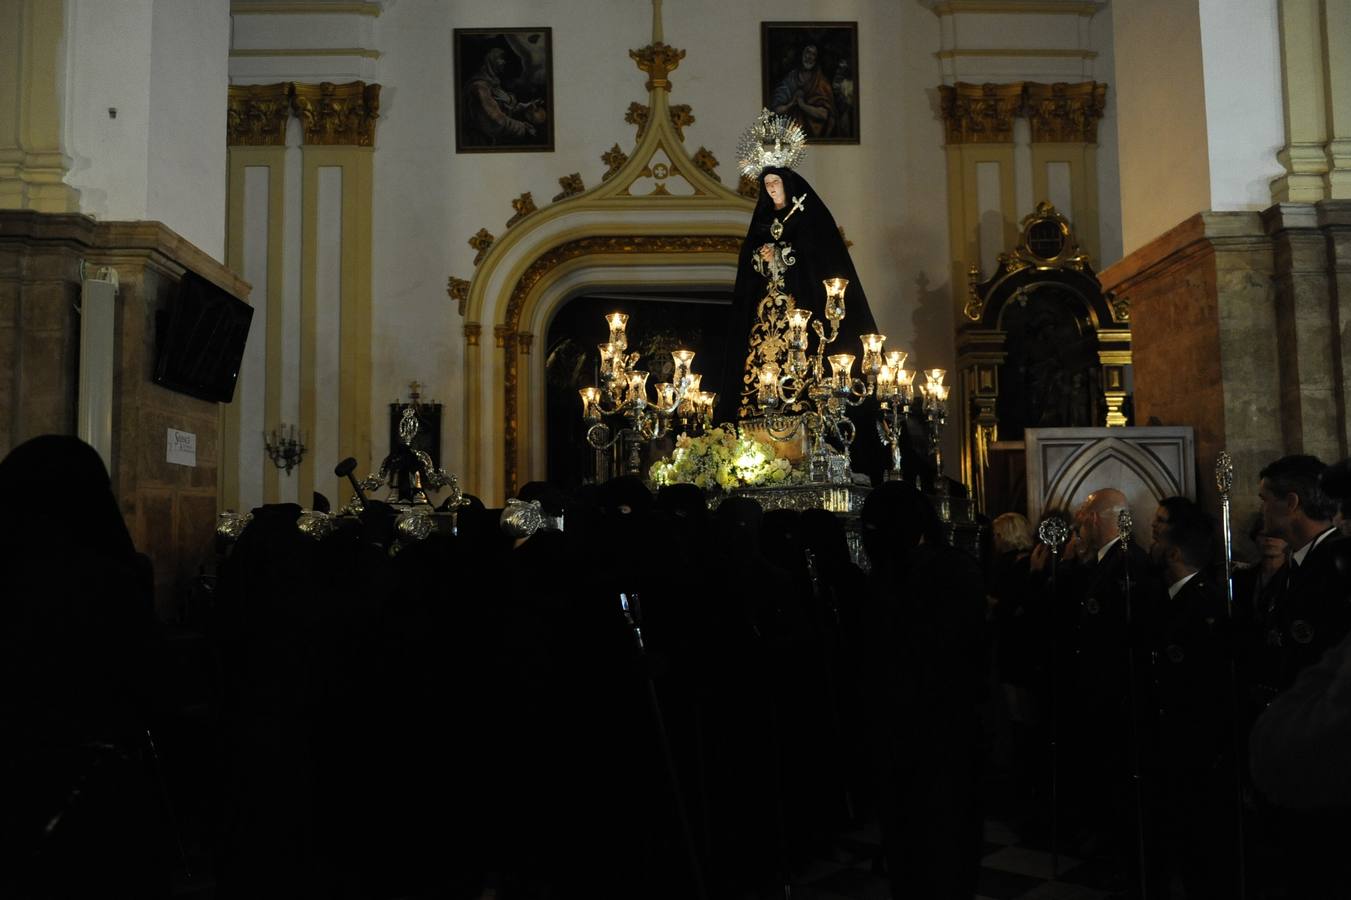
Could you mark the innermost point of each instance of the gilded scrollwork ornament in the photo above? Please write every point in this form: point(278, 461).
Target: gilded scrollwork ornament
point(637, 116)
point(458, 289)
point(481, 242)
point(524, 205)
point(681, 115)
point(614, 160)
point(1121, 308)
point(707, 163)
point(571, 184)
point(658, 60)
point(748, 186)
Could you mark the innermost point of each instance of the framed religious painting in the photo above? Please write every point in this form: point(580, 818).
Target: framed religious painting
point(811, 74)
point(504, 90)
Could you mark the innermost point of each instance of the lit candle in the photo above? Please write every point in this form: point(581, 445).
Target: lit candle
point(797, 328)
point(769, 376)
point(617, 321)
point(872, 353)
point(886, 382)
point(638, 387)
point(590, 398)
point(842, 364)
point(835, 288)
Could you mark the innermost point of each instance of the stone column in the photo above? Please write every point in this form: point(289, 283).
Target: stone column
point(1304, 81)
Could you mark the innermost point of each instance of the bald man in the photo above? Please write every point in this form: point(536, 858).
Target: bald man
point(1119, 602)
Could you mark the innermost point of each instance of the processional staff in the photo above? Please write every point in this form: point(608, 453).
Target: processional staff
point(1224, 483)
point(1053, 531)
point(1125, 525)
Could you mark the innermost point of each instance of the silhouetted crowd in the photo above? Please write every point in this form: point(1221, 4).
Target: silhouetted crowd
point(662, 700)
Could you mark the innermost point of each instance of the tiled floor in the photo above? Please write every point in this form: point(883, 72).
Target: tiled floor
point(1009, 871)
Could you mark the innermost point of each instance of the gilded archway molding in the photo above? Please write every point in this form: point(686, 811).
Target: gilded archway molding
point(660, 208)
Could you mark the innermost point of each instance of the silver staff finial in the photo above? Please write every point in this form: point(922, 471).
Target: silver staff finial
point(1224, 473)
point(1125, 524)
point(1053, 531)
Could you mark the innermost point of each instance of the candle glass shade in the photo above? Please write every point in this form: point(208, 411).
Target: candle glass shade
point(617, 322)
point(886, 382)
point(682, 360)
point(797, 328)
point(835, 288)
point(896, 359)
point(665, 394)
point(935, 376)
point(611, 359)
point(638, 388)
point(842, 365)
point(590, 402)
point(872, 353)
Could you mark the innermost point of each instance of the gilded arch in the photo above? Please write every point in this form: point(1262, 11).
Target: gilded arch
point(659, 212)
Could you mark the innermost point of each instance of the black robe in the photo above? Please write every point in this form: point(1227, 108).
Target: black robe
point(820, 253)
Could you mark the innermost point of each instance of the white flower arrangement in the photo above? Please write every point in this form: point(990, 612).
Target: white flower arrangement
point(721, 459)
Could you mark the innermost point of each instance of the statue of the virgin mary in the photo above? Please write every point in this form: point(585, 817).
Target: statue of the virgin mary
point(792, 246)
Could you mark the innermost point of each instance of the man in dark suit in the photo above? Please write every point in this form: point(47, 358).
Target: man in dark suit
point(1314, 613)
point(1105, 721)
point(1194, 786)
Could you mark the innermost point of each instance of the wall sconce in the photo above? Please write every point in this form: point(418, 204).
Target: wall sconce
point(285, 447)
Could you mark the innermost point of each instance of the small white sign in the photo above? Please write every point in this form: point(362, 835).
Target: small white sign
point(182, 448)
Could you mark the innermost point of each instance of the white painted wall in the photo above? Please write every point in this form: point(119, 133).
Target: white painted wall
point(1160, 90)
point(1241, 56)
point(889, 192)
point(162, 65)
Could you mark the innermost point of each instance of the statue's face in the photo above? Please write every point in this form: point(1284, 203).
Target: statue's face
point(774, 187)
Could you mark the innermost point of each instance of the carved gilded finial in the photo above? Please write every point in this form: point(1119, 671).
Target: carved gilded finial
point(482, 241)
point(257, 114)
point(571, 185)
point(458, 289)
point(1121, 308)
point(707, 163)
point(748, 186)
point(975, 303)
point(337, 114)
point(681, 115)
point(524, 206)
point(658, 60)
point(637, 115)
point(614, 160)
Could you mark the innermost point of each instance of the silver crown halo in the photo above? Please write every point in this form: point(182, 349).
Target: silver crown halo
point(772, 141)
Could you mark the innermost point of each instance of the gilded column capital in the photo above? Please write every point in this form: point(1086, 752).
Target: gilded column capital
point(458, 289)
point(481, 242)
point(980, 113)
point(338, 114)
point(504, 337)
point(524, 205)
point(472, 331)
point(658, 60)
point(1066, 113)
point(525, 340)
point(256, 114)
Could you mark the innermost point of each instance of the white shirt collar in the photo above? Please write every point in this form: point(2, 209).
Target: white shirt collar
point(1302, 553)
point(1102, 551)
point(1178, 585)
